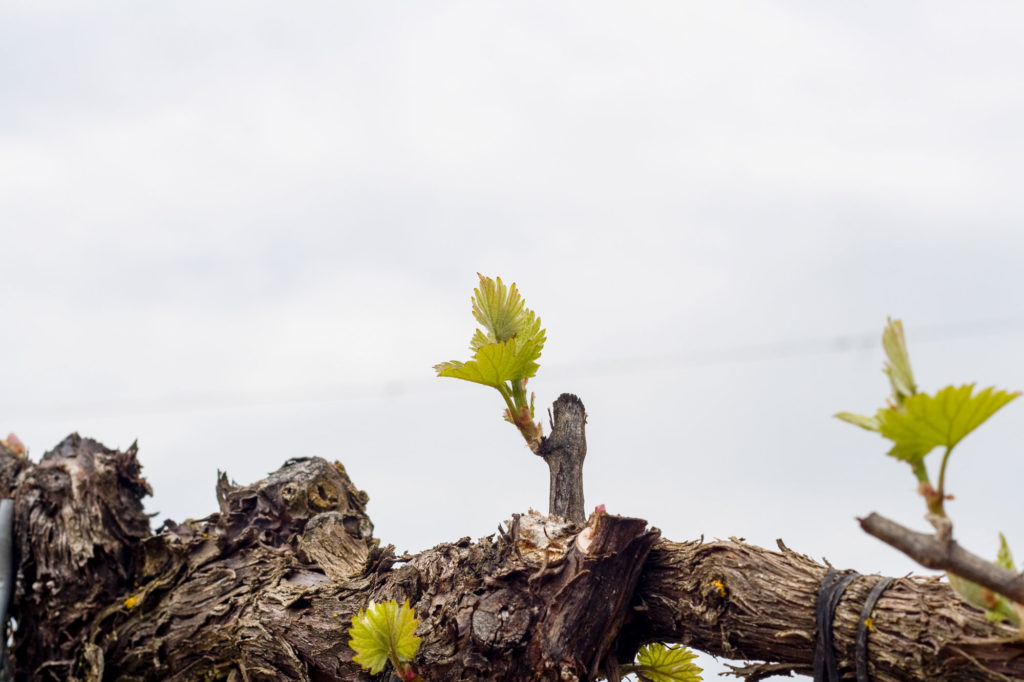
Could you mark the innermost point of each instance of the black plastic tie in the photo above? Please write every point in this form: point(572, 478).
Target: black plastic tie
point(826, 668)
point(862, 627)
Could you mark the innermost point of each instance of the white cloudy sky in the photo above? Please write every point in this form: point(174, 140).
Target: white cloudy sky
point(245, 232)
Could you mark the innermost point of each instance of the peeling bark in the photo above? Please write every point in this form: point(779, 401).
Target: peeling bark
point(265, 588)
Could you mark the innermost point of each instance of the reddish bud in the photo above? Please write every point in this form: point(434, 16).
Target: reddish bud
point(14, 444)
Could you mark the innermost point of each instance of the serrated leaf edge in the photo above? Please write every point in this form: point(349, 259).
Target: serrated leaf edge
point(384, 632)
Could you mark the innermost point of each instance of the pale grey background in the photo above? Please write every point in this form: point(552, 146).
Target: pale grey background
point(245, 231)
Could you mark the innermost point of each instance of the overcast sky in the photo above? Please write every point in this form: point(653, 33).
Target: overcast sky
point(245, 231)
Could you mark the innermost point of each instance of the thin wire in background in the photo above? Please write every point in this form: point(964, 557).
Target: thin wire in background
point(697, 358)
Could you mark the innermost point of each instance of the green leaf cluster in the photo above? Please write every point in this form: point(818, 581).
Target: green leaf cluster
point(382, 633)
point(917, 423)
point(663, 663)
point(926, 422)
point(505, 351)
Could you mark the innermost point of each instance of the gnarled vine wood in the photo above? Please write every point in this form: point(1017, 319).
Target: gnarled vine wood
point(264, 588)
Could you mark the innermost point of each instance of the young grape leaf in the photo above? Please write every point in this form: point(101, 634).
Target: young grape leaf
point(497, 363)
point(510, 348)
point(501, 310)
point(925, 422)
point(661, 663)
point(506, 354)
point(863, 421)
point(1005, 558)
point(996, 606)
point(383, 632)
point(1005, 608)
point(917, 423)
point(897, 366)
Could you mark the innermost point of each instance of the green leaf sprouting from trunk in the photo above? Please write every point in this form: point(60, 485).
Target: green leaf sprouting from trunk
point(384, 633)
point(662, 663)
point(505, 352)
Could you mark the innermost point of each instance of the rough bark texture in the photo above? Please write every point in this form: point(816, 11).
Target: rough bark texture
point(743, 602)
point(564, 451)
point(264, 590)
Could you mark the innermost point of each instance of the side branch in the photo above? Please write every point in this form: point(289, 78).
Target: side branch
point(933, 552)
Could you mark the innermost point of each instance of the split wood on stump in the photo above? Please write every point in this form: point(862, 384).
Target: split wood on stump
point(265, 588)
point(564, 451)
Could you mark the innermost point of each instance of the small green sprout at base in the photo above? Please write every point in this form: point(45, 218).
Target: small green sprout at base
point(664, 663)
point(385, 633)
point(506, 354)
